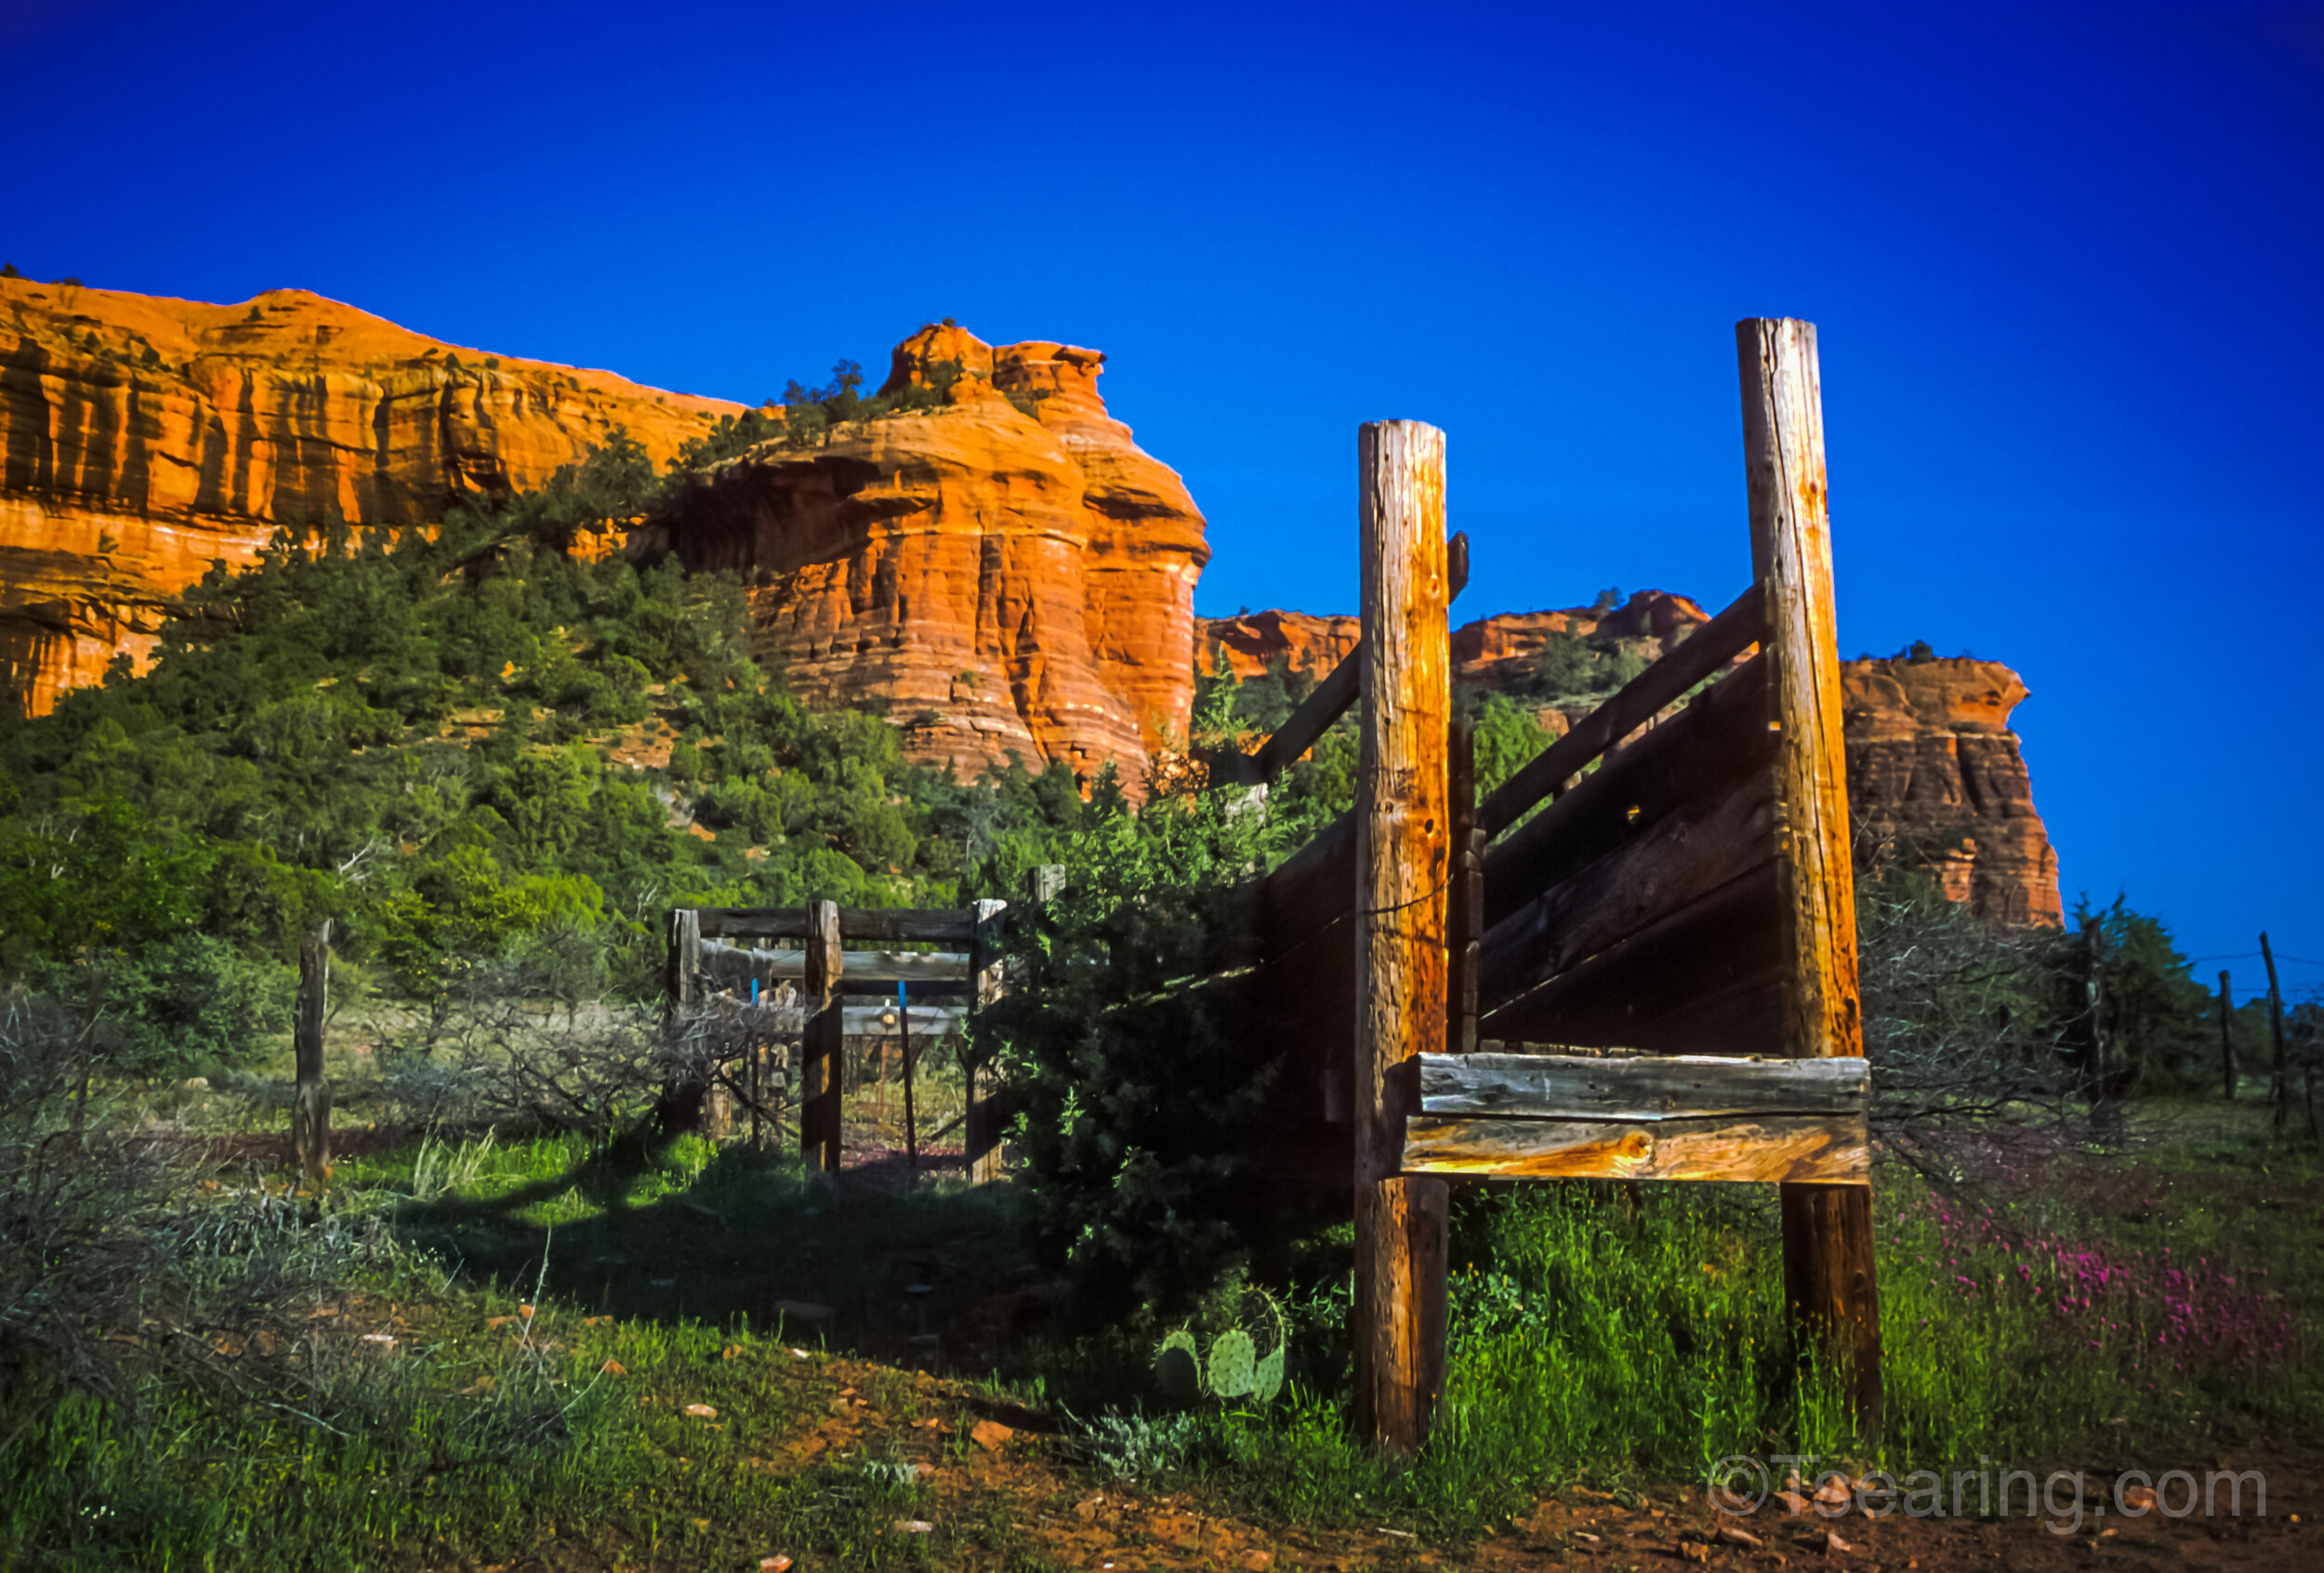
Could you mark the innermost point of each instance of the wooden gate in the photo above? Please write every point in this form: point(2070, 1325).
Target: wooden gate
point(1658, 909)
point(711, 944)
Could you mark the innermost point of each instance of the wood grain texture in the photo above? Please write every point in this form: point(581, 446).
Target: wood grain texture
point(1733, 631)
point(1783, 441)
point(1402, 870)
point(1829, 1270)
point(820, 1059)
point(1640, 1086)
point(1831, 1150)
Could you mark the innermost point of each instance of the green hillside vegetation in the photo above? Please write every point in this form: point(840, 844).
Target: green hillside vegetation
point(435, 743)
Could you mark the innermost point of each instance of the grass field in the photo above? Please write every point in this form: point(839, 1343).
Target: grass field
point(481, 1351)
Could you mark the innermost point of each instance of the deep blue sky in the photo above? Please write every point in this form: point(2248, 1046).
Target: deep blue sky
point(2064, 262)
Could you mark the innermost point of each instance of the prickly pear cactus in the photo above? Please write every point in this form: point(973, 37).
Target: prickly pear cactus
point(1267, 1376)
point(1233, 1364)
point(1177, 1366)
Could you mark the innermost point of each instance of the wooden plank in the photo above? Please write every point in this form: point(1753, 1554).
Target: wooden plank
point(1686, 852)
point(1707, 750)
point(311, 1106)
point(903, 925)
point(1640, 1086)
point(1829, 1267)
point(1402, 862)
point(869, 968)
point(1701, 980)
point(1825, 1150)
point(880, 1021)
point(1325, 703)
point(822, 1057)
point(1726, 636)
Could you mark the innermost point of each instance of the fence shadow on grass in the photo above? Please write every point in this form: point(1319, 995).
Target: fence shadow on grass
point(631, 1229)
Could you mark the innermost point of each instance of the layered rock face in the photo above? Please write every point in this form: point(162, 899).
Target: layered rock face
point(1006, 571)
point(1490, 653)
point(1936, 775)
point(141, 438)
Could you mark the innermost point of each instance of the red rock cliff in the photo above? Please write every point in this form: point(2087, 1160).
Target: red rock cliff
point(1934, 772)
point(1007, 571)
point(1935, 776)
point(140, 438)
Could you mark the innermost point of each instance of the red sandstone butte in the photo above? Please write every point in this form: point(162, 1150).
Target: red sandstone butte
point(140, 438)
point(1935, 776)
point(1008, 572)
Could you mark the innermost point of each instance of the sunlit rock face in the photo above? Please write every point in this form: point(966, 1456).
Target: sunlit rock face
point(1936, 777)
point(1007, 572)
point(142, 438)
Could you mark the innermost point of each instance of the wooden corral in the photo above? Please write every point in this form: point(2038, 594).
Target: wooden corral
point(1658, 908)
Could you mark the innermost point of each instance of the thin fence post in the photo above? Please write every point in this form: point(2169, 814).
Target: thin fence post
point(1404, 846)
point(911, 1132)
point(680, 1107)
point(2226, 1037)
point(981, 1138)
point(310, 1109)
point(821, 1069)
point(2279, 1086)
point(1828, 1268)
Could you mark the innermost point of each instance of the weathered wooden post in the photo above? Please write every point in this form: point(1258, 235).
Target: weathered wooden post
point(682, 1091)
point(310, 1108)
point(822, 1041)
point(1404, 841)
point(2226, 1037)
point(2279, 1085)
point(1829, 1270)
point(911, 1128)
point(981, 1122)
